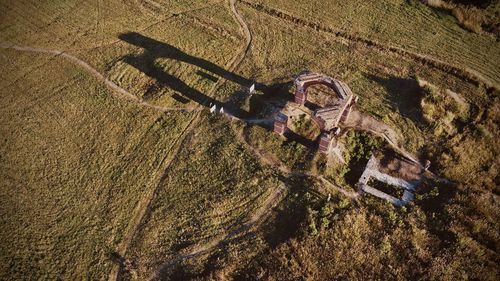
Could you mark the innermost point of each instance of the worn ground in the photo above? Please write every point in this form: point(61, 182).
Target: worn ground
point(113, 168)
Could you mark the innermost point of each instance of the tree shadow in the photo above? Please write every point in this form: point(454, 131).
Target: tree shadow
point(434, 204)
point(404, 95)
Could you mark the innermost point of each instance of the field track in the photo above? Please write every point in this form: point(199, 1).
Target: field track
point(263, 212)
point(116, 90)
point(145, 203)
point(466, 74)
point(277, 194)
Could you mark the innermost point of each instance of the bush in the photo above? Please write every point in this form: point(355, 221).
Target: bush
point(321, 163)
point(470, 18)
point(343, 203)
point(305, 127)
point(360, 145)
point(326, 210)
point(311, 222)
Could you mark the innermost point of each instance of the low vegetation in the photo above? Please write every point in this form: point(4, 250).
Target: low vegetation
point(358, 148)
point(60, 220)
point(476, 16)
point(304, 126)
point(79, 165)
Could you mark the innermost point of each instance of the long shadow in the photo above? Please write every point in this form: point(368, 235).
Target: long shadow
point(404, 94)
point(146, 64)
point(292, 136)
point(159, 49)
point(438, 219)
point(118, 259)
point(153, 50)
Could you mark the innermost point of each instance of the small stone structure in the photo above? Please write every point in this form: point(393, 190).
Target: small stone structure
point(280, 124)
point(300, 97)
point(395, 172)
point(325, 141)
point(328, 118)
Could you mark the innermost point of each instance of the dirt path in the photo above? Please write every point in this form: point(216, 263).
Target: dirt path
point(116, 90)
point(144, 206)
point(360, 121)
point(243, 26)
point(218, 242)
point(253, 222)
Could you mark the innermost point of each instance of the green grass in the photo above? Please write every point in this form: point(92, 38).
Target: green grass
point(78, 25)
point(75, 161)
point(211, 188)
point(54, 212)
point(408, 24)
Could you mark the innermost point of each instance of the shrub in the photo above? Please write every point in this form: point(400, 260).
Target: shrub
point(325, 210)
point(385, 246)
point(469, 17)
point(343, 203)
point(311, 222)
point(325, 222)
point(321, 163)
point(360, 145)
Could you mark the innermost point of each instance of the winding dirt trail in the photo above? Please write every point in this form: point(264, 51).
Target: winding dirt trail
point(144, 206)
point(116, 90)
point(243, 27)
point(363, 122)
point(270, 202)
point(251, 225)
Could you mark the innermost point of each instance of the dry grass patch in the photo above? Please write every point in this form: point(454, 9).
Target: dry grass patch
point(74, 161)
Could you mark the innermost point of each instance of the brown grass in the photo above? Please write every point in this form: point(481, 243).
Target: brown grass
point(75, 161)
point(469, 17)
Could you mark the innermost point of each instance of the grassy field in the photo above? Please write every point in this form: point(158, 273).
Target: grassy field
point(410, 25)
point(221, 185)
point(97, 186)
point(84, 25)
point(54, 212)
